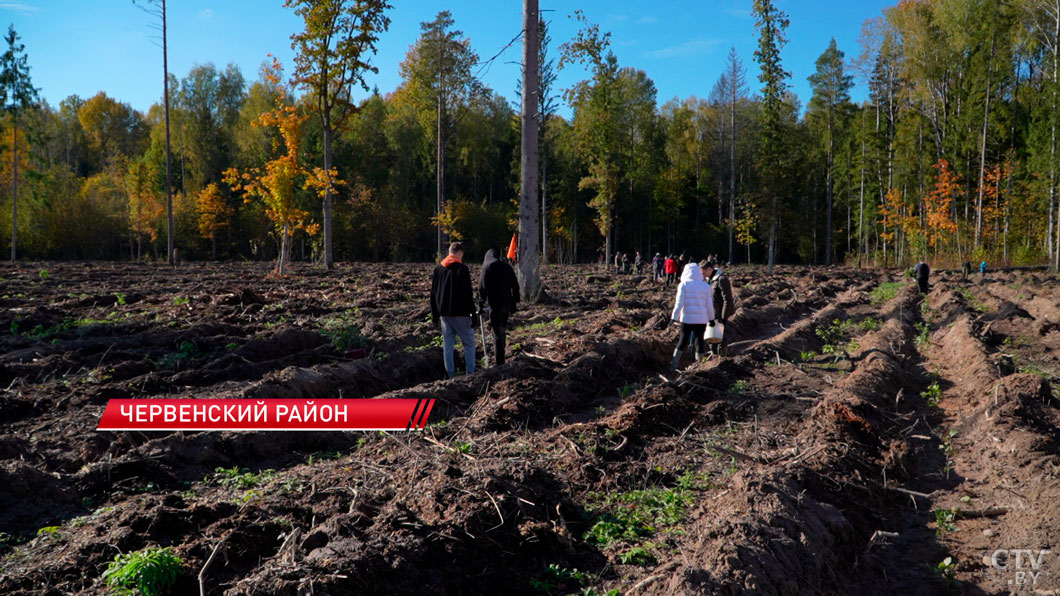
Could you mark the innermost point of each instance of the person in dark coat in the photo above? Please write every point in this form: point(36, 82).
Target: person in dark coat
point(724, 304)
point(499, 289)
point(922, 272)
point(657, 267)
point(453, 302)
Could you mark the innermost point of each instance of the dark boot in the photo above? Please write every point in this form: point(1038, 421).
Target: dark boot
point(673, 363)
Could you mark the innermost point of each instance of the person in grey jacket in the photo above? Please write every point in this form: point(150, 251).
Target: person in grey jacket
point(693, 309)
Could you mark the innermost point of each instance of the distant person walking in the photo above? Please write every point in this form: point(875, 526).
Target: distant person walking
point(453, 302)
point(670, 268)
point(656, 267)
point(498, 288)
point(694, 310)
point(724, 305)
point(966, 269)
point(922, 272)
point(638, 263)
point(982, 269)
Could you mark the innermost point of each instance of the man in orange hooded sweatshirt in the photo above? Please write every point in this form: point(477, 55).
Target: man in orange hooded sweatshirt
point(453, 302)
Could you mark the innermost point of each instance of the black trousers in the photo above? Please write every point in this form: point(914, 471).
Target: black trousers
point(923, 283)
point(690, 333)
point(499, 326)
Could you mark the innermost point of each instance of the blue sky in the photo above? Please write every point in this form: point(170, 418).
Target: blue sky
point(79, 47)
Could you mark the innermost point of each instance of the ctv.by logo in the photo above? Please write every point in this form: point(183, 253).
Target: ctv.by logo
point(1025, 563)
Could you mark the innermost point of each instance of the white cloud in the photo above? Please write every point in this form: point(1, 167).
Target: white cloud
point(647, 20)
point(20, 7)
point(693, 47)
point(205, 15)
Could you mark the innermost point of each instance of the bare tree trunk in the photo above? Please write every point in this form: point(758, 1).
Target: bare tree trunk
point(529, 280)
point(773, 236)
point(440, 175)
point(544, 212)
point(329, 261)
point(14, 191)
point(828, 196)
point(732, 165)
point(862, 247)
point(170, 256)
point(285, 247)
point(982, 155)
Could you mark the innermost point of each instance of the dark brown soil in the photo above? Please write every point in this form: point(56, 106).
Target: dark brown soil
point(817, 457)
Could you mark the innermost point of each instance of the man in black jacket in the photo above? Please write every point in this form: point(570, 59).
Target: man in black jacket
point(498, 287)
point(724, 305)
point(453, 302)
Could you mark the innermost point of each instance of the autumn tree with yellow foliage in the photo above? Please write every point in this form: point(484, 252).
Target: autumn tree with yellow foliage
point(213, 214)
point(145, 206)
point(276, 183)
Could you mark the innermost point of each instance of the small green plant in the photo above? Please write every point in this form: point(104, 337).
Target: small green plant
point(638, 555)
point(625, 391)
point(947, 571)
point(241, 478)
point(630, 516)
point(43, 274)
point(291, 486)
point(557, 579)
point(343, 331)
point(870, 324)
point(463, 447)
point(947, 447)
point(181, 300)
point(972, 300)
point(316, 458)
point(885, 291)
point(231, 346)
point(932, 395)
point(945, 520)
point(49, 531)
point(806, 356)
point(149, 572)
point(120, 297)
point(738, 387)
point(185, 351)
point(923, 336)
point(554, 323)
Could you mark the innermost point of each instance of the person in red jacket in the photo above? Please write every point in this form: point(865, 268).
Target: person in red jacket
point(670, 268)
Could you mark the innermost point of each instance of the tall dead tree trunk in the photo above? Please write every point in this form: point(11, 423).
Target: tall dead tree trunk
point(529, 280)
point(170, 254)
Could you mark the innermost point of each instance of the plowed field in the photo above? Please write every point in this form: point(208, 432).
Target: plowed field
point(857, 437)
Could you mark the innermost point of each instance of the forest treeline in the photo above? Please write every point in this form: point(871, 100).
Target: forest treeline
point(953, 155)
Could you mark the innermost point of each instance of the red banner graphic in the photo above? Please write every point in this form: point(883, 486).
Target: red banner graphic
point(266, 414)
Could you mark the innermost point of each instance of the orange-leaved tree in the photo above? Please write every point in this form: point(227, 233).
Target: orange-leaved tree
point(937, 206)
point(213, 214)
point(276, 184)
point(899, 222)
point(145, 206)
point(995, 202)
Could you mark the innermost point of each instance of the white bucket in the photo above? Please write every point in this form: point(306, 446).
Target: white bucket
point(714, 334)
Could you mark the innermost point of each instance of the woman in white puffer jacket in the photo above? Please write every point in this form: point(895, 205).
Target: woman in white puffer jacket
point(694, 309)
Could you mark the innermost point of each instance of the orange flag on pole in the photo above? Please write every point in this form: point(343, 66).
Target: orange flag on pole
point(513, 247)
